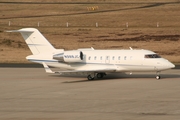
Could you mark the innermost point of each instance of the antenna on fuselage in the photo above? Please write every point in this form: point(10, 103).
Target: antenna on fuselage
point(130, 48)
point(92, 48)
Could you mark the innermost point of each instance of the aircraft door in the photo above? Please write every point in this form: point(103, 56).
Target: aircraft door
point(107, 59)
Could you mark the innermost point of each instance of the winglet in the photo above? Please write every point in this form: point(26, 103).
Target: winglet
point(47, 69)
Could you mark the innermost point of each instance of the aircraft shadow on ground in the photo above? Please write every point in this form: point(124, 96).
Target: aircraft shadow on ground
point(116, 76)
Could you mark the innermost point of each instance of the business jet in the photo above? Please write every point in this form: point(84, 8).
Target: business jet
point(88, 61)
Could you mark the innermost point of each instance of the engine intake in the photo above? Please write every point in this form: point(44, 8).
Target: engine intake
point(69, 56)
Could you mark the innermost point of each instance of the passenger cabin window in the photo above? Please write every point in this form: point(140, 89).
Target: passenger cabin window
point(125, 57)
point(152, 56)
point(107, 57)
point(101, 58)
point(113, 58)
point(119, 58)
point(89, 58)
point(95, 58)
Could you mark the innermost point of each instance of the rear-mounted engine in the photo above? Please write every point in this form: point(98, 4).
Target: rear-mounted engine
point(69, 56)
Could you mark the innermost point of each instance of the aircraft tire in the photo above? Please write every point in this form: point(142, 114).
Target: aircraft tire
point(158, 77)
point(100, 75)
point(89, 77)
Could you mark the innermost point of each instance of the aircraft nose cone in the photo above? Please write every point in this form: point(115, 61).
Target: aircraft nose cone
point(171, 65)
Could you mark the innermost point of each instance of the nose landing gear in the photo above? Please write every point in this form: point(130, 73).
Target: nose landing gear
point(157, 75)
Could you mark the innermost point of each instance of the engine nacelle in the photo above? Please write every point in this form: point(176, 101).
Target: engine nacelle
point(69, 56)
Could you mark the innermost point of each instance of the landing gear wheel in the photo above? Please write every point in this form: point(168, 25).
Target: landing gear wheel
point(89, 77)
point(100, 75)
point(158, 77)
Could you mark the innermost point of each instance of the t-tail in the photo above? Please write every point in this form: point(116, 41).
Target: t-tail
point(36, 42)
point(42, 50)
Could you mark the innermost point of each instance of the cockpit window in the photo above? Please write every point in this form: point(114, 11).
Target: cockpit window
point(152, 56)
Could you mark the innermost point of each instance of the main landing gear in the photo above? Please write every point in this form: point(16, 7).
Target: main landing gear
point(157, 75)
point(98, 75)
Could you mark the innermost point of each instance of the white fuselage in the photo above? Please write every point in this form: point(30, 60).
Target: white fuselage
point(120, 60)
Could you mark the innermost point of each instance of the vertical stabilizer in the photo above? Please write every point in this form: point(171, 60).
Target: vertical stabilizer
point(36, 42)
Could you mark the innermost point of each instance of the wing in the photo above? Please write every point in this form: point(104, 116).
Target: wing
point(91, 70)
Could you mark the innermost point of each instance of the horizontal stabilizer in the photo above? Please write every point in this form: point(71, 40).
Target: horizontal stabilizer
point(21, 30)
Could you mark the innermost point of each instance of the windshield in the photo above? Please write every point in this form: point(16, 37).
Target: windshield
point(152, 56)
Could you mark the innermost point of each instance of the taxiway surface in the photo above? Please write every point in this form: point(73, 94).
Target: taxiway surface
point(31, 94)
